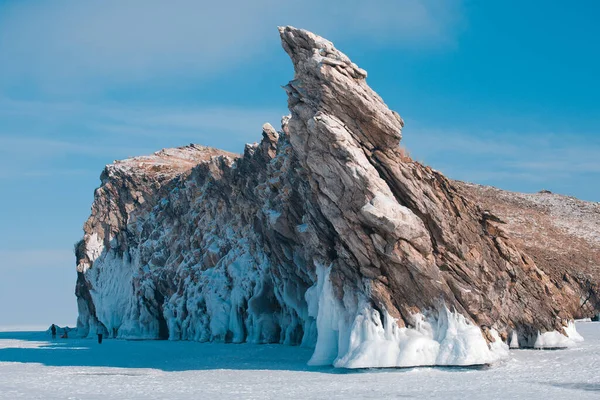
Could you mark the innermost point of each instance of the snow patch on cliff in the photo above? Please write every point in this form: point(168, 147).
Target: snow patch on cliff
point(94, 246)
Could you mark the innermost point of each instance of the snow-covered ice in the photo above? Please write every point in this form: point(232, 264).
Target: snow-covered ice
point(32, 366)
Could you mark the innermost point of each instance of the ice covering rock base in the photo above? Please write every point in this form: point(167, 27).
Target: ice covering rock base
point(324, 234)
point(369, 339)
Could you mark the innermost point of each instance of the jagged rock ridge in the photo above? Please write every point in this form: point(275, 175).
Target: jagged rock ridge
point(323, 234)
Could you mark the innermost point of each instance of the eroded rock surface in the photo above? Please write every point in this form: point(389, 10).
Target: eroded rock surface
point(561, 234)
point(323, 234)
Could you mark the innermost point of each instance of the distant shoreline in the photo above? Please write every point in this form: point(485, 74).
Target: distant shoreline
point(28, 328)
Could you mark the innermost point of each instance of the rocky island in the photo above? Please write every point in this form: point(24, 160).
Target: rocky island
point(327, 234)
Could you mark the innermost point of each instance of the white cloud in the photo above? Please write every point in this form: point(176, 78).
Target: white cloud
point(198, 122)
point(68, 45)
point(240, 123)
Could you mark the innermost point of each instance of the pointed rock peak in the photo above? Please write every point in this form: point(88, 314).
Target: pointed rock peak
point(329, 84)
point(323, 235)
point(310, 51)
point(269, 141)
point(269, 133)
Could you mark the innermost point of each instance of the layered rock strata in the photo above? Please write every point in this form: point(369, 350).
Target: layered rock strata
point(324, 234)
point(560, 233)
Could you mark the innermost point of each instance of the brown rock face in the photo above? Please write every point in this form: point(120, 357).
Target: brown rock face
point(324, 233)
point(560, 233)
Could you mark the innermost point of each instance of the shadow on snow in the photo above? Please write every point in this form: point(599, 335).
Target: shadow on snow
point(165, 355)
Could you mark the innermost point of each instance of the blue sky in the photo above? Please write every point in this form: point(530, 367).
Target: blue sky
point(504, 93)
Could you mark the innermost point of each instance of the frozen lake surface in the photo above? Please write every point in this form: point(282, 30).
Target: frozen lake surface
point(34, 367)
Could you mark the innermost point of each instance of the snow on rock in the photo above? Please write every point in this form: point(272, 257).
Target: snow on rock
point(323, 235)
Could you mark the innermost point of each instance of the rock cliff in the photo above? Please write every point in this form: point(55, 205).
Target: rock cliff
point(324, 234)
point(560, 233)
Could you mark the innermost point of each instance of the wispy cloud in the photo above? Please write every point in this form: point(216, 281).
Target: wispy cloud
point(199, 122)
point(563, 164)
point(69, 45)
point(508, 159)
point(35, 258)
point(21, 175)
point(68, 138)
point(198, 118)
point(242, 124)
point(42, 147)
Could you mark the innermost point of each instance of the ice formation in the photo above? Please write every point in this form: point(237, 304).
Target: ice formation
point(370, 339)
point(558, 340)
